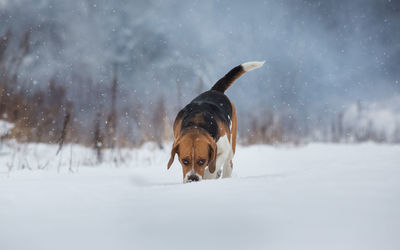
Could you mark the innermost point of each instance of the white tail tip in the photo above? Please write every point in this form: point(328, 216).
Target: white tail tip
point(248, 66)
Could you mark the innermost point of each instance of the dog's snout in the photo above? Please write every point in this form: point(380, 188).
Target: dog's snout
point(193, 178)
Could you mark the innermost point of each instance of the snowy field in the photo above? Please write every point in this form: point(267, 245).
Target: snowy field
point(319, 196)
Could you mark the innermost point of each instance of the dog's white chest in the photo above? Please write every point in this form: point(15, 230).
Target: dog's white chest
point(224, 147)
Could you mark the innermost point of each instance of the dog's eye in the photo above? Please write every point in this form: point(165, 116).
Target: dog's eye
point(185, 162)
point(201, 162)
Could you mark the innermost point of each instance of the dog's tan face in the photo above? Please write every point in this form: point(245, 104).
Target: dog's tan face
point(195, 151)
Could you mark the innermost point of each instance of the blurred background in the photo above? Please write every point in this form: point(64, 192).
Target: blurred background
point(115, 73)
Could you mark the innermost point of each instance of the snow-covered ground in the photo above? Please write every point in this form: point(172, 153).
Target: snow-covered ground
point(319, 196)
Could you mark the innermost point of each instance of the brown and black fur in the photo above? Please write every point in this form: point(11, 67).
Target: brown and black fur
point(201, 123)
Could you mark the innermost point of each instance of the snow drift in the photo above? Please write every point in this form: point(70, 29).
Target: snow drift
point(318, 196)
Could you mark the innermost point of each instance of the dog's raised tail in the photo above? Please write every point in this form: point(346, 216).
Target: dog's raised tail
point(225, 82)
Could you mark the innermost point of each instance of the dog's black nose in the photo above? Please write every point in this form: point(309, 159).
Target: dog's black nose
point(193, 178)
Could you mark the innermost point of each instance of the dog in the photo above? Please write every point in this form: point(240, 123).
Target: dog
point(205, 131)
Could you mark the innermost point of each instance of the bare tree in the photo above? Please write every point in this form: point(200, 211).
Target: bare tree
point(64, 130)
point(111, 125)
point(98, 138)
point(158, 121)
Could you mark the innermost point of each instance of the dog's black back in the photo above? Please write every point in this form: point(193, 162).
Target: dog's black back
point(205, 110)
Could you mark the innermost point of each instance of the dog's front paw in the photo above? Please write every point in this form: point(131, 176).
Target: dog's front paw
point(219, 172)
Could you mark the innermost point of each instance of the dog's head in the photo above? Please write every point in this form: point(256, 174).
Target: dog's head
point(196, 150)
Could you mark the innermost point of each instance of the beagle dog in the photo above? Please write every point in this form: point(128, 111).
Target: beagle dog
point(205, 131)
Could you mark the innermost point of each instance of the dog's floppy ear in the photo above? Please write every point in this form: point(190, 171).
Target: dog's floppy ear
point(173, 152)
point(212, 156)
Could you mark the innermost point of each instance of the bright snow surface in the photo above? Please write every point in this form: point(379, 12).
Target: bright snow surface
point(319, 196)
